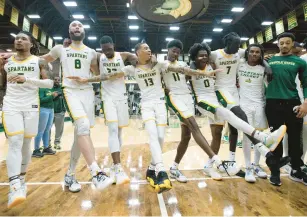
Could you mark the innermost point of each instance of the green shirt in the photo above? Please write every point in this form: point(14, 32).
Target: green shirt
point(59, 100)
point(46, 98)
point(285, 69)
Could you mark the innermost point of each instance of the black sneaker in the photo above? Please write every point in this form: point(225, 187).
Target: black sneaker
point(298, 176)
point(151, 177)
point(48, 151)
point(273, 163)
point(163, 182)
point(37, 153)
point(275, 178)
point(284, 161)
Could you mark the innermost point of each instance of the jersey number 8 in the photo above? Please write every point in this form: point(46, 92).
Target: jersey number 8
point(77, 64)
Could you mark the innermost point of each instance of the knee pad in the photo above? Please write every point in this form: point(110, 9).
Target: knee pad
point(16, 142)
point(239, 113)
point(82, 126)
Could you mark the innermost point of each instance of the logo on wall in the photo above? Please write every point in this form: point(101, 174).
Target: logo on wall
point(169, 11)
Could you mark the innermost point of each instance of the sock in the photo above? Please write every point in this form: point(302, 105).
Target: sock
point(151, 167)
point(232, 156)
point(94, 168)
point(159, 168)
point(216, 160)
point(14, 182)
point(209, 163)
point(260, 136)
point(22, 179)
point(256, 157)
point(262, 149)
point(247, 151)
point(175, 166)
point(117, 167)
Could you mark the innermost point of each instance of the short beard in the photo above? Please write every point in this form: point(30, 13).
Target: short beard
point(20, 50)
point(77, 38)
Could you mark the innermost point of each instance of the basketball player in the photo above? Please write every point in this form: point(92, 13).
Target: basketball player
point(79, 60)
point(21, 110)
point(251, 74)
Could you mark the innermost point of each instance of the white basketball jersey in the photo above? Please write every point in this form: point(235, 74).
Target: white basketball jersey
point(115, 89)
point(203, 85)
point(76, 62)
point(229, 63)
point(22, 97)
point(176, 82)
point(149, 81)
point(251, 79)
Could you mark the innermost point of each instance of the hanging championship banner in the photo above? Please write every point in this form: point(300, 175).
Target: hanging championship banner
point(26, 25)
point(43, 38)
point(305, 11)
point(260, 38)
point(2, 6)
point(35, 31)
point(251, 40)
point(268, 34)
point(292, 21)
point(14, 16)
point(279, 26)
point(50, 43)
point(244, 45)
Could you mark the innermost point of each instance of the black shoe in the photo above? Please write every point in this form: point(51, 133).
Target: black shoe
point(275, 179)
point(151, 177)
point(163, 182)
point(298, 176)
point(284, 161)
point(48, 151)
point(37, 153)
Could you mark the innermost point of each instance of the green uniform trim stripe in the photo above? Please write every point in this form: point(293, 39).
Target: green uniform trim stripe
point(67, 107)
point(221, 99)
point(170, 105)
point(207, 107)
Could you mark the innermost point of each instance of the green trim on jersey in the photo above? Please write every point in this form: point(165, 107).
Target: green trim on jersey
point(170, 105)
point(221, 99)
point(207, 107)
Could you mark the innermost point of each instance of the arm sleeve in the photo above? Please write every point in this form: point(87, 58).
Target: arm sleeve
point(213, 56)
point(55, 52)
point(42, 83)
point(303, 77)
point(43, 97)
point(241, 52)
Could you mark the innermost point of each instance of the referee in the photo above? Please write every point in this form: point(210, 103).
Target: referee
point(283, 104)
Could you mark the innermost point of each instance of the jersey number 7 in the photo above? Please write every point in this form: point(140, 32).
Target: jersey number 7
point(228, 67)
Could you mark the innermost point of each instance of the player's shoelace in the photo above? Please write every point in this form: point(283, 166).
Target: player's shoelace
point(101, 176)
point(227, 164)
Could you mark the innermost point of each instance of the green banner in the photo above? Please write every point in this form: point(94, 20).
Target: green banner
point(26, 25)
point(260, 38)
point(244, 45)
point(2, 6)
point(292, 21)
point(279, 26)
point(268, 34)
point(305, 11)
point(251, 41)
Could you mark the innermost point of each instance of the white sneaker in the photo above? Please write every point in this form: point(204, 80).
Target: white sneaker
point(101, 181)
point(16, 196)
point(229, 167)
point(260, 172)
point(72, 183)
point(275, 137)
point(210, 171)
point(249, 175)
point(24, 189)
point(176, 174)
point(112, 174)
point(121, 177)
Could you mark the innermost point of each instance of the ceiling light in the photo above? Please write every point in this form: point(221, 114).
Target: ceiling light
point(70, 3)
point(78, 16)
point(237, 9)
point(86, 26)
point(164, 50)
point(134, 38)
point(174, 28)
point(98, 49)
point(133, 27)
point(13, 34)
point(57, 37)
point(132, 17)
point(8, 50)
point(275, 42)
point(217, 30)
point(128, 5)
point(133, 49)
point(92, 38)
point(226, 20)
point(34, 16)
point(207, 40)
point(244, 38)
point(169, 39)
point(266, 23)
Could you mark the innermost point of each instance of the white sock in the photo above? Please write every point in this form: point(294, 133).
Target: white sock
point(216, 160)
point(113, 140)
point(209, 163)
point(247, 151)
point(175, 166)
point(74, 155)
point(94, 168)
point(159, 168)
point(151, 167)
point(256, 157)
point(117, 167)
point(262, 149)
point(22, 179)
point(232, 156)
point(15, 183)
point(261, 136)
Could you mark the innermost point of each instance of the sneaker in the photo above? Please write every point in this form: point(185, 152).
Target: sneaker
point(163, 182)
point(176, 174)
point(210, 171)
point(298, 176)
point(37, 153)
point(24, 189)
point(273, 139)
point(230, 167)
point(72, 183)
point(57, 146)
point(112, 174)
point(249, 175)
point(304, 169)
point(48, 151)
point(260, 172)
point(275, 179)
point(101, 181)
point(121, 177)
point(16, 196)
point(151, 177)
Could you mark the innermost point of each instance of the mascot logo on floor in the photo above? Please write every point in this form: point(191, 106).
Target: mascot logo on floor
point(169, 11)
